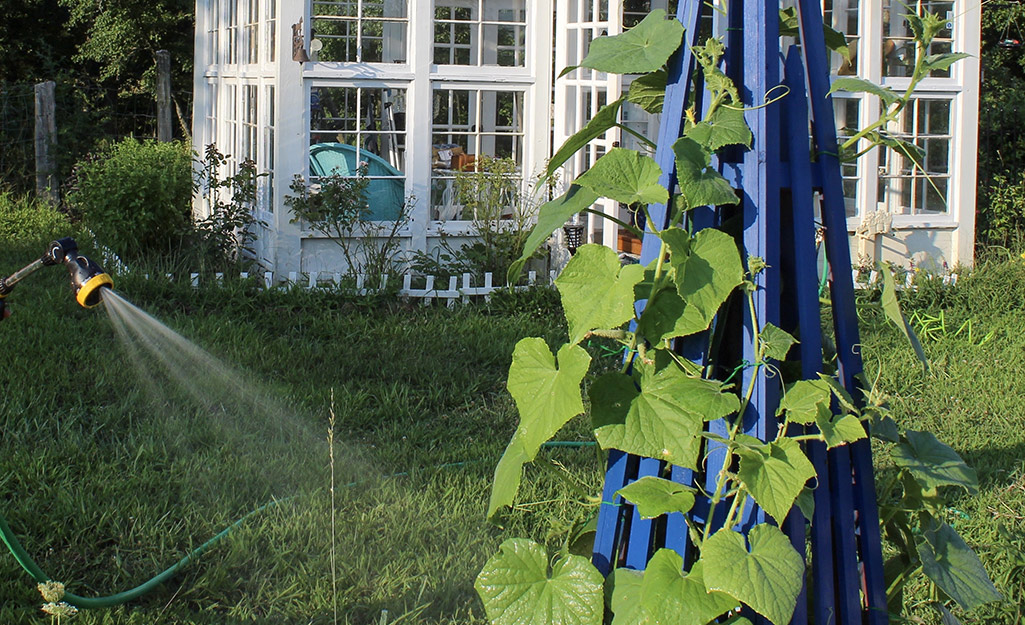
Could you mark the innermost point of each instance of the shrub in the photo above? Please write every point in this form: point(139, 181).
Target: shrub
point(136, 197)
point(1001, 217)
point(25, 220)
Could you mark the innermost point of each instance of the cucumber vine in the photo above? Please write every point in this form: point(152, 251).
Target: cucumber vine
point(659, 404)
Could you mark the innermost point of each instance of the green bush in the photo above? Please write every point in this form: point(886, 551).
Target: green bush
point(136, 197)
point(1001, 216)
point(29, 221)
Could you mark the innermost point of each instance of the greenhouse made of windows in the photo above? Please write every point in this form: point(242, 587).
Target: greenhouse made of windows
point(417, 93)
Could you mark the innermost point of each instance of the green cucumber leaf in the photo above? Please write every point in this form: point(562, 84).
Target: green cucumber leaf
point(546, 397)
point(706, 274)
point(699, 183)
point(644, 48)
point(602, 121)
point(611, 396)
point(625, 176)
point(550, 217)
point(776, 475)
point(666, 417)
point(669, 596)
point(952, 565)
point(517, 589)
point(838, 430)
point(596, 290)
point(648, 91)
point(725, 126)
point(654, 496)
point(805, 502)
point(802, 400)
point(625, 600)
point(774, 343)
point(767, 577)
point(933, 463)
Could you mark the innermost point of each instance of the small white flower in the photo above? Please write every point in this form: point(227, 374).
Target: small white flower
point(62, 609)
point(52, 591)
point(314, 189)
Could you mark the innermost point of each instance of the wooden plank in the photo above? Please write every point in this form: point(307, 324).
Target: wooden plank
point(165, 130)
point(47, 185)
point(610, 514)
point(844, 310)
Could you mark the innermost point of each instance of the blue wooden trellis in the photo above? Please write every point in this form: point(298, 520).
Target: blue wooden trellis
point(778, 179)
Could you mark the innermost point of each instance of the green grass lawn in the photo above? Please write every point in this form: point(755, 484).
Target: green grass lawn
point(108, 479)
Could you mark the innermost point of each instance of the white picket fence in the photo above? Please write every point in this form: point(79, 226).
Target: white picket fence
point(909, 280)
point(458, 290)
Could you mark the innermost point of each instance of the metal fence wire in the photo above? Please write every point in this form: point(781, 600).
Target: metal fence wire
point(89, 118)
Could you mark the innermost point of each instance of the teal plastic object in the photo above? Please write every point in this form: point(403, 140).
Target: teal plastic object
point(385, 196)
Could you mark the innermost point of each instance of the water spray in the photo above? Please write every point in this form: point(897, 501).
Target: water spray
point(87, 278)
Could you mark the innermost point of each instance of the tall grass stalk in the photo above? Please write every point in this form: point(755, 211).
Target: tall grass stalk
point(331, 461)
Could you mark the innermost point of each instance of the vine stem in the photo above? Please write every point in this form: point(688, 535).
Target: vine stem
point(656, 284)
point(734, 429)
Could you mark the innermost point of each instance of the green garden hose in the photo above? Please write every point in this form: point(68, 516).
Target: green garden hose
point(37, 574)
point(30, 567)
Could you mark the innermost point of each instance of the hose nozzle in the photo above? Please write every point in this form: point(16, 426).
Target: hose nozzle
point(87, 280)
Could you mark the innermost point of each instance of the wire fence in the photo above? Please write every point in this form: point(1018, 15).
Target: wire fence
point(89, 117)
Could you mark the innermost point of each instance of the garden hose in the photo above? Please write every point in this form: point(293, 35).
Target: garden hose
point(26, 562)
point(30, 567)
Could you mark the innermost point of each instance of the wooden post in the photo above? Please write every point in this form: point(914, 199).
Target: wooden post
point(164, 128)
point(46, 142)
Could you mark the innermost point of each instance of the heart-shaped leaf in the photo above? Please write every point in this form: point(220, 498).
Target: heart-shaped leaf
point(802, 400)
point(648, 91)
point(654, 496)
point(516, 588)
point(597, 291)
point(625, 176)
point(644, 48)
point(774, 343)
point(725, 126)
point(767, 578)
point(705, 277)
point(626, 598)
point(775, 475)
point(700, 184)
point(666, 416)
point(669, 596)
point(838, 430)
point(546, 397)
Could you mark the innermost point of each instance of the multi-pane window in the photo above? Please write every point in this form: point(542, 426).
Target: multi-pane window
point(272, 30)
point(251, 32)
point(356, 127)
point(213, 33)
point(230, 125)
point(468, 124)
point(268, 158)
point(231, 31)
point(480, 32)
point(250, 126)
point(898, 39)
point(847, 116)
point(636, 10)
point(843, 17)
point(360, 31)
point(910, 188)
